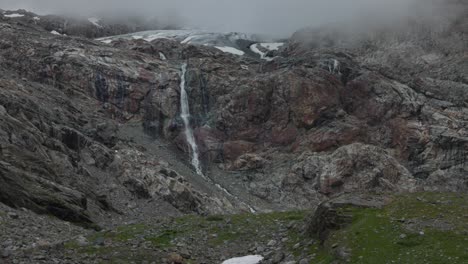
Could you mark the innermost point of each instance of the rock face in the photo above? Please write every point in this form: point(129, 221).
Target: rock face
point(36, 164)
point(60, 148)
point(321, 119)
point(352, 168)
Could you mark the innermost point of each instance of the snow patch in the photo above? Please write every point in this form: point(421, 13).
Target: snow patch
point(55, 33)
point(36, 18)
point(14, 15)
point(252, 259)
point(230, 50)
point(95, 21)
point(269, 46)
point(162, 56)
point(254, 49)
point(187, 40)
point(272, 46)
point(163, 34)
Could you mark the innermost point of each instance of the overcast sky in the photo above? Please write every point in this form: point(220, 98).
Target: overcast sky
point(253, 16)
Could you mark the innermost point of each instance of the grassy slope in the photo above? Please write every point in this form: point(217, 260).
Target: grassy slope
point(415, 228)
point(233, 234)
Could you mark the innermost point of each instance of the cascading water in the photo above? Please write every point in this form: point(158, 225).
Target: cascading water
point(334, 66)
point(185, 115)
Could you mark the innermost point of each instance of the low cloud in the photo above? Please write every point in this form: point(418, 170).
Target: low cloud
point(276, 17)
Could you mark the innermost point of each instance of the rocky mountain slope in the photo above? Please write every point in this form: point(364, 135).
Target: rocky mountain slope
point(92, 133)
point(88, 27)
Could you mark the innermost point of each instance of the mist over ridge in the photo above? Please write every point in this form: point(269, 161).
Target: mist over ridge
point(274, 17)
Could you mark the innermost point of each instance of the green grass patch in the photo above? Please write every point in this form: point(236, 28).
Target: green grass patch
point(215, 218)
point(320, 254)
point(215, 230)
point(246, 226)
point(380, 235)
point(451, 207)
point(89, 249)
point(124, 233)
point(163, 240)
point(225, 237)
point(405, 231)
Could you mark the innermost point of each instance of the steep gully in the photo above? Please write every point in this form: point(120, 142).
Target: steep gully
point(189, 136)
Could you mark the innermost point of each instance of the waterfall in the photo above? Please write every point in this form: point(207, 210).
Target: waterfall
point(185, 115)
point(334, 66)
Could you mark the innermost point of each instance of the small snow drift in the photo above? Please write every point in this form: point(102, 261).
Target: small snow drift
point(252, 259)
point(272, 46)
point(254, 48)
point(268, 46)
point(231, 50)
point(55, 33)
point(95, 21)
point(187, 40)
point(14, 15)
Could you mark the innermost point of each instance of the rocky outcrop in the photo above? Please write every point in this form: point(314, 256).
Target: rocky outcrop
point(353, 168)
point(39, 161)
point(334, 214)
point(148, 178)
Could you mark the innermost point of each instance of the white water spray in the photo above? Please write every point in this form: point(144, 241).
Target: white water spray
point(185, 114)
point(334, 66)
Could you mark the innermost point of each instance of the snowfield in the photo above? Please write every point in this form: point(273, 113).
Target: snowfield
point(14, 15)
point(226, 42)
point(187, 36)
point(252, 259)
point(231, 50)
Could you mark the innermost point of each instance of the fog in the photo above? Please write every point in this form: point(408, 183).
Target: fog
point(276, 17)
